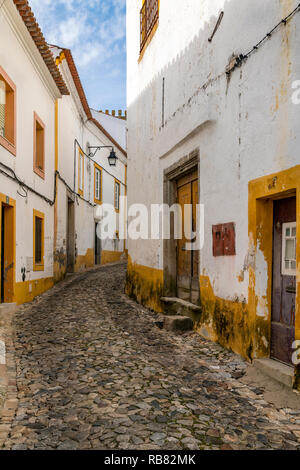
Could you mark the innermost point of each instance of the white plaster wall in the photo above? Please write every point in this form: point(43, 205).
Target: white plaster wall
point(244, 128)
point(115, 126)
point(32, 95)
point(73, 125)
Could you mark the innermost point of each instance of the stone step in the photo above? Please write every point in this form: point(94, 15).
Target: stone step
point(179, 307)
point(276, 370)
point(178, 323)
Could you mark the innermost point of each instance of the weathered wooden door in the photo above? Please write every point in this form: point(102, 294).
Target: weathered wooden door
point(71, 236)
point(7, 253)
point(284, 280)
point(188, 260)
point(97, 247)
point(2, 253)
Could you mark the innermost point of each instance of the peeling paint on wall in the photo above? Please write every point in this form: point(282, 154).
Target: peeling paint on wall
point(261, 283)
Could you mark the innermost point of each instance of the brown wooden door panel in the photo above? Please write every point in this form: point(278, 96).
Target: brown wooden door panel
point(184, 261)
point(284, 286)
point(281, 344)
point(7, 254)
point(187, 260)
point(195, 254)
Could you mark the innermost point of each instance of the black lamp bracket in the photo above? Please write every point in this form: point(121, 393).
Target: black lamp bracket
point(92, 154)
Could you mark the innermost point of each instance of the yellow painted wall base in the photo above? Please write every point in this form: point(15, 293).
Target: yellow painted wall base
point(145, 285)
point(85, 261)
point(108, 257)
point(59, 272)
point(28, 290)
point(225, 321)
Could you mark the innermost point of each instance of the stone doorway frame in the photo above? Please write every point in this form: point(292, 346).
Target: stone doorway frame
point(182, 167)
point(261, 194)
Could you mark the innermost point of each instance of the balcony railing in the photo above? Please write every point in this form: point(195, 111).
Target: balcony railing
point(149, 17)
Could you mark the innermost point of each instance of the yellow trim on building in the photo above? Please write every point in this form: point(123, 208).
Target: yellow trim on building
point(85, 261)
point(60, 58)
point(7, 201)
point(108, 257)
point(154, 29)
point(28, 290)
point(117, 182)
point(56, 135)
point(262, 192)
point(98, 167)
point(145, 285)
point(39, 266)
point(125, 214)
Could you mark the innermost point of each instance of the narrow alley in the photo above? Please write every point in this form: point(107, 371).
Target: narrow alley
point(95, 371)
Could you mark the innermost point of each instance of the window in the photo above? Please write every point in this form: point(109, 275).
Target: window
point(117, 195)
point(288, 264)
point(7, 113)
point(98, 184)
point(81, 172)
point(148, 19)
point(39, 147)
point(38, 241)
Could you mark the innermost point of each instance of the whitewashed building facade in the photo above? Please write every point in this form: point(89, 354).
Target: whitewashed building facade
point(47, 213)
point(212, 120)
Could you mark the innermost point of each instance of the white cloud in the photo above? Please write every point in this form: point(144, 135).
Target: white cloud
point(91, 28)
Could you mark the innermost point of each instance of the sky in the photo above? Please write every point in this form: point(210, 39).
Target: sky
point(95, 31)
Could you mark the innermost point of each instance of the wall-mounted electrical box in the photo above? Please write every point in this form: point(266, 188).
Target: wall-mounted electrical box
point(224, 239)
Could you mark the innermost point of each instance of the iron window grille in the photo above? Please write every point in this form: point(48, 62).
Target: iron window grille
point(148, 19)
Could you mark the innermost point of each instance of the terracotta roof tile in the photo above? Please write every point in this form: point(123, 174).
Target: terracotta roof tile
point(38, 37)
point(83, 99)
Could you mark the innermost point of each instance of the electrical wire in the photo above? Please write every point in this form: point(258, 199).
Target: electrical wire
point(90, 158)
point(243, 57)
point(27, 188)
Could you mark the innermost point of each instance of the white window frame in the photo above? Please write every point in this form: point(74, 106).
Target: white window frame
point(98, 195)
point(81, 172)
point(117, 195)
point(3, 104)
point(284, 270)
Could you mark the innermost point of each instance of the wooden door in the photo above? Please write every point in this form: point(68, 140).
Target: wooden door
point(195, 254)
point(284, 280)
point(2, 253)
point(7, 253)
point(187, 260)
point(71, 236)
point(97, 247)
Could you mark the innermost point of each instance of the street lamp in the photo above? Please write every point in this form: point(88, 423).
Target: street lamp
point(112, 159)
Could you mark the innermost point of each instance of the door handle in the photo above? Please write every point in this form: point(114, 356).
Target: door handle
point(291, 289)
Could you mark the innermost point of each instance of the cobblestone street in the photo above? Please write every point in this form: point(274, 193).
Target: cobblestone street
point(95, 371)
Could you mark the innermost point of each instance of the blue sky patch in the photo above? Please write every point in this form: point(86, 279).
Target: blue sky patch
point(95, 31)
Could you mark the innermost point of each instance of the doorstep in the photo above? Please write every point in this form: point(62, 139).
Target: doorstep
point(276, 370)
point(178, 307)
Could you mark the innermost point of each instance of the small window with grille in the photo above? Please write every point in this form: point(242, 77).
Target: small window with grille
point(7, 113)
point(98, 184)
point(38, 241)
point(81, 172)
point(148, 19)
point(117, 195)
point(39, 147)
point(288, 264)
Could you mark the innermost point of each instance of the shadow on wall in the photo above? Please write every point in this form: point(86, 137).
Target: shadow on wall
point(188, 91)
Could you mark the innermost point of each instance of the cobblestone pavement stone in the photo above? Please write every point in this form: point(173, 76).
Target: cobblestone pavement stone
point(94, 371)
